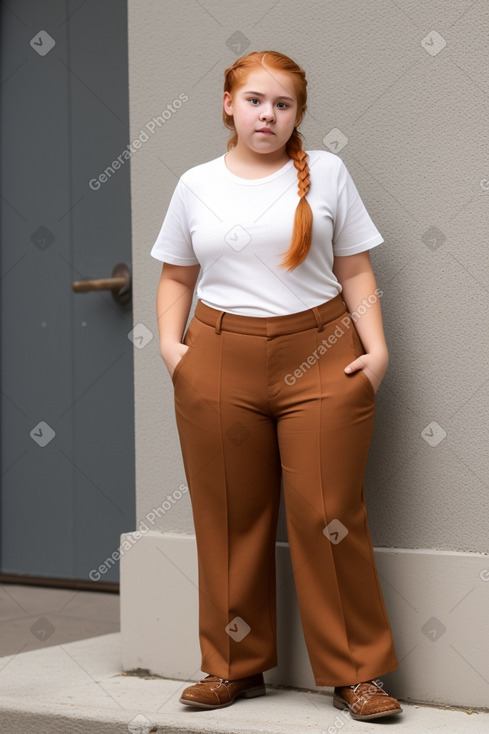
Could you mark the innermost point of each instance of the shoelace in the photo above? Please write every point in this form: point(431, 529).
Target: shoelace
point(369, 683)
point(207, 679)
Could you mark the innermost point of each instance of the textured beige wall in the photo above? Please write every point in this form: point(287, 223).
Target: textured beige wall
point(414, 113)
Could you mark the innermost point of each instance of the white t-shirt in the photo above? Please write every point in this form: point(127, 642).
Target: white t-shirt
point(237, 229)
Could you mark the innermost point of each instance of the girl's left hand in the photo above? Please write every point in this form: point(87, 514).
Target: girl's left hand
point(373, 365)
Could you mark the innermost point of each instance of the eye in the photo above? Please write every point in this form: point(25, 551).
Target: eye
point(254, 99)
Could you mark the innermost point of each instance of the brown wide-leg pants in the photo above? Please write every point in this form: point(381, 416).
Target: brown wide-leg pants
point(257, 400)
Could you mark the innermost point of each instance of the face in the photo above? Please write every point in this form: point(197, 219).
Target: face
point(267, 100)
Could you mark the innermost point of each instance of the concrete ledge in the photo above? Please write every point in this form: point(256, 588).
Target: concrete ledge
point(436, 600)
point(78, 688)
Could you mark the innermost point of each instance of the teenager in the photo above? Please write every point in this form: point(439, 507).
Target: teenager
point(275, 381)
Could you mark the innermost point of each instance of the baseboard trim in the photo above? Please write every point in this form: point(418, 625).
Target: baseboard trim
point(436, 601)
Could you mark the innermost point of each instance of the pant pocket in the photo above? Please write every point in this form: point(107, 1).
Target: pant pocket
point(358, 351)
point(188, 340)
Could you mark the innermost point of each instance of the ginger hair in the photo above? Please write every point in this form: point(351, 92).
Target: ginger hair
point(235, 77)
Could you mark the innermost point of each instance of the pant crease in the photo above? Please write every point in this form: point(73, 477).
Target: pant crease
point(326, 515)
point(225, 481)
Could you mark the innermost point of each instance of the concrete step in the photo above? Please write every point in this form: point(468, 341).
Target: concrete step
point(78, 687)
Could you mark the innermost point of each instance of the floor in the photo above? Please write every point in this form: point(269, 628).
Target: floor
point(60, 671)
point(35, 617)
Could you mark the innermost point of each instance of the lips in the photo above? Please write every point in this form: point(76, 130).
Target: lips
point(266, 131)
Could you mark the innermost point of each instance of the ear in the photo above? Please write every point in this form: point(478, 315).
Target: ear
point(227, 103)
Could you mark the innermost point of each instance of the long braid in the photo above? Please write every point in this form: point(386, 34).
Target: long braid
point(302, 232)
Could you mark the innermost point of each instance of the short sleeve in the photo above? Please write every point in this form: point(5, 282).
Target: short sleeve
point(354, 230)
point(174, 243)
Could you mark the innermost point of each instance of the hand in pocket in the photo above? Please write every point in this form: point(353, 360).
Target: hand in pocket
point(172, 356)
point(373, 368)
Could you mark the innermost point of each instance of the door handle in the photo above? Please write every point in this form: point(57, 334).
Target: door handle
point(120, 284)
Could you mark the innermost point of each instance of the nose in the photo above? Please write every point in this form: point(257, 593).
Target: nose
point(267, 112)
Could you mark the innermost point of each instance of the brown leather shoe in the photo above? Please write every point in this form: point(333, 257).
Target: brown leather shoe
point(365, 700)
point(216, 693)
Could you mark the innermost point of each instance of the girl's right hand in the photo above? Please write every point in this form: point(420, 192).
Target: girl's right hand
point(172, 355)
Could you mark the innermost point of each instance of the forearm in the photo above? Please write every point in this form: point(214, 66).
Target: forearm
point(361, 296)
point(173, 302)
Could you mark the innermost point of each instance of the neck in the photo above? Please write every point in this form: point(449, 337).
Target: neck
point(241, 155)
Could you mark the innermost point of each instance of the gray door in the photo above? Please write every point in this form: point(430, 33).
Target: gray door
point(67, 413)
